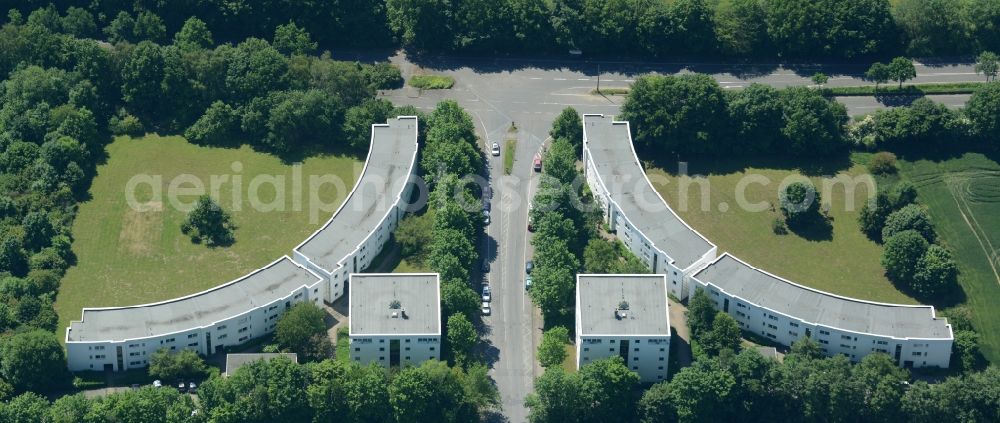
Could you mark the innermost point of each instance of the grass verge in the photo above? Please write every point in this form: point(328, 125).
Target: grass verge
point(837, 259)
point(610, 91)
point(127, 257)
point(432, 82)
point(912, 89)
point(342, 351)
point(963, 197)
point(509, 147)
point(569, 364)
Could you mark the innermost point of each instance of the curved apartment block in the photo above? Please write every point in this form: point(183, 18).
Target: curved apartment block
point(359, 229)
point(122, 338)
point(763, 304)
point(634, 211)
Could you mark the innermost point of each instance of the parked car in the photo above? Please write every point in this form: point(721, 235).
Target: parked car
point(529, 266)
point(538, 163)
point(192, 387)
point(135, 386)
point(486, 294)
point(496, 149)
point(486, 217)
point(182, 387)
point(486, 205)
point(487, 192)
point(527, 282)
point(486, 309)
point(486, 266)
point(157, 383)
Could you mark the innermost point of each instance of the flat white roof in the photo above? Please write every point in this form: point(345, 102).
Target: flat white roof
point(618, 167)
point(373, 296)
point(387, 171)
point(272, 282)
point(756, 286)
point(623, 305)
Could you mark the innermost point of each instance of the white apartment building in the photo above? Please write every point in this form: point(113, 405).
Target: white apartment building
point(782, 311)
point(122, 338)
point(634, 211)
point(359, 229)
point(395, 318)
point(624, 316)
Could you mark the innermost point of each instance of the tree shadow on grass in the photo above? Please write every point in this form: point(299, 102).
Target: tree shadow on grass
point(813, 227)
point(709, 165)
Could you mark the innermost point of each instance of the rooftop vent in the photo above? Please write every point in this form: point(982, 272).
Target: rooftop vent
point(621, 314)
point(395, 305)
point(623, 305)
point(395, 315)
point(402, 313)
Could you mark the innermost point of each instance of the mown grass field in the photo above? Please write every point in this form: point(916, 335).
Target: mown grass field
point(839, 259)
point(963, 197)
point(130, 257)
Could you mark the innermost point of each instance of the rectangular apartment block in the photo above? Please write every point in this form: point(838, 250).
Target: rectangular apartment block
point(624, 316)
point(395, 318)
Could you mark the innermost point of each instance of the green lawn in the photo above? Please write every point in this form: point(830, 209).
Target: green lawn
point(509, 147)
point(840, 260)
point(130, 257)
point(963, 197)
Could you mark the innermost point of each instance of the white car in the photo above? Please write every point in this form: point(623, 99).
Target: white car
point(486, 217)
point(496, 149)
point(486, 294)
point(486, 309)
point(157, 383)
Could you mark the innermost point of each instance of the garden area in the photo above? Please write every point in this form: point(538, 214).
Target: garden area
point(128, 257)
point(837, 258)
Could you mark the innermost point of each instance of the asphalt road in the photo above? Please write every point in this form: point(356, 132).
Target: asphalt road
point(529, 94)
point(513, 324)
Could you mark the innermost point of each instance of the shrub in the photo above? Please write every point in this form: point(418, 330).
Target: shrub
point(126, 124)
point(883, 163)
point(902, 255)
point(778, 226)
point(382, 76)
point(799, 201)
point(210, 222)
point(432, 82)
point(911, 217)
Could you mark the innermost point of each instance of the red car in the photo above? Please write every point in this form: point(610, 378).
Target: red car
point(538, 163)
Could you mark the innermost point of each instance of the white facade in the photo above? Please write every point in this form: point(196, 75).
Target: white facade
point(640, 335)
point(413, 349)
point(135, 352)
point(650, 251)
point(645, 355)
point(782, 328)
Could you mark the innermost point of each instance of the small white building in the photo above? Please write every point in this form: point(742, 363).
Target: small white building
point(634, 211)
point(783, 312)
point(122, 338)
point(395, 318)
point(358, 230)
point(624, 316)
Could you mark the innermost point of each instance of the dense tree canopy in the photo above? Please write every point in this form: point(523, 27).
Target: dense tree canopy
point(302, 330)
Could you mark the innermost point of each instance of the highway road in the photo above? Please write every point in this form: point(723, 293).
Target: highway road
point(529, 94)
